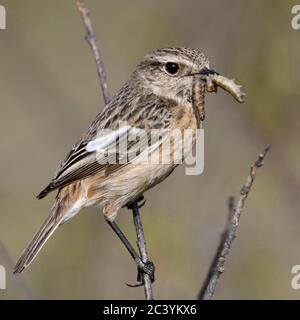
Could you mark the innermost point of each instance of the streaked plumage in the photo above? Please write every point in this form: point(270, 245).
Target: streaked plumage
point(151, 99)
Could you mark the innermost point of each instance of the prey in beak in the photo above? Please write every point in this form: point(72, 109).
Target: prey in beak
point(209, 80)
point(214, 80)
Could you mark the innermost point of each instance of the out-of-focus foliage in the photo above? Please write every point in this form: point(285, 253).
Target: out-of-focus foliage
point(49, 93)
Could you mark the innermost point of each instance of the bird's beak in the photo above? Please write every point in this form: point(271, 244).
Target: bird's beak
point(206, 72)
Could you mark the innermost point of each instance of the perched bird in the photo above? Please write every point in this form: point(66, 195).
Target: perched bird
point(158, 96)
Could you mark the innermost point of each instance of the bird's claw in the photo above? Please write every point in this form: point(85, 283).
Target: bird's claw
point(148, 268)
point(135, 285)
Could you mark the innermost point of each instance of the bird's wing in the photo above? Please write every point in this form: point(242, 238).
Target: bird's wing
point(105, 150)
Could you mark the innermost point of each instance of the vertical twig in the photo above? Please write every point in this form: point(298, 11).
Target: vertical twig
point(217, 265)
point(142, 248)
point(92, 41)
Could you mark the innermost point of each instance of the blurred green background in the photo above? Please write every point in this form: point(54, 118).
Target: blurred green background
point(49, 94)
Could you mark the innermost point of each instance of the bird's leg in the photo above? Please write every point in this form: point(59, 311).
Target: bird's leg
point(142, 267)
point(141, 279)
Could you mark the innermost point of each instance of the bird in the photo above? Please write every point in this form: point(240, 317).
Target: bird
point(157, 97)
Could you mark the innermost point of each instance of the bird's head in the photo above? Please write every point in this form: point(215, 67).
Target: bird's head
point(169, 73)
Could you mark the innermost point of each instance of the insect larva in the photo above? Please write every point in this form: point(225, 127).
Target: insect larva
point(211, 83)
point(198, 92)
point(210, 86)
point(228, 85)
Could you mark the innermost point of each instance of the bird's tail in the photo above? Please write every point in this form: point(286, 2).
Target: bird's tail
point(35, 245)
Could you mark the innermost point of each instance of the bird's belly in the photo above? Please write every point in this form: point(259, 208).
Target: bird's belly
point(131, 180)
point(128, 183)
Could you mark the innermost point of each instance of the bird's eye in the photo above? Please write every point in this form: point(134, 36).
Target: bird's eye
point(172, 68)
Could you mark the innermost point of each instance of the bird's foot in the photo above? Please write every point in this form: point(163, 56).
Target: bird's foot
point(148, 268)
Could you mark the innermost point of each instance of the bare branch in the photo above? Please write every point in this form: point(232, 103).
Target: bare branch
point(142, 248)
point(227, 238)
point(92, 41)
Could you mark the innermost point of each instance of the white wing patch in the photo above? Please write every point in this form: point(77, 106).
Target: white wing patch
point(101, 143)
point(132, 143)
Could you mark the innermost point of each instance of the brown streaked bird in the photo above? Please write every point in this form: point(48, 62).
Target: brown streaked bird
point(158, 95)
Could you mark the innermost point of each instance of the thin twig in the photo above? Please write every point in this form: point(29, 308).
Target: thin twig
point(92, 41)
point(142, 249)
point(217, 265)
